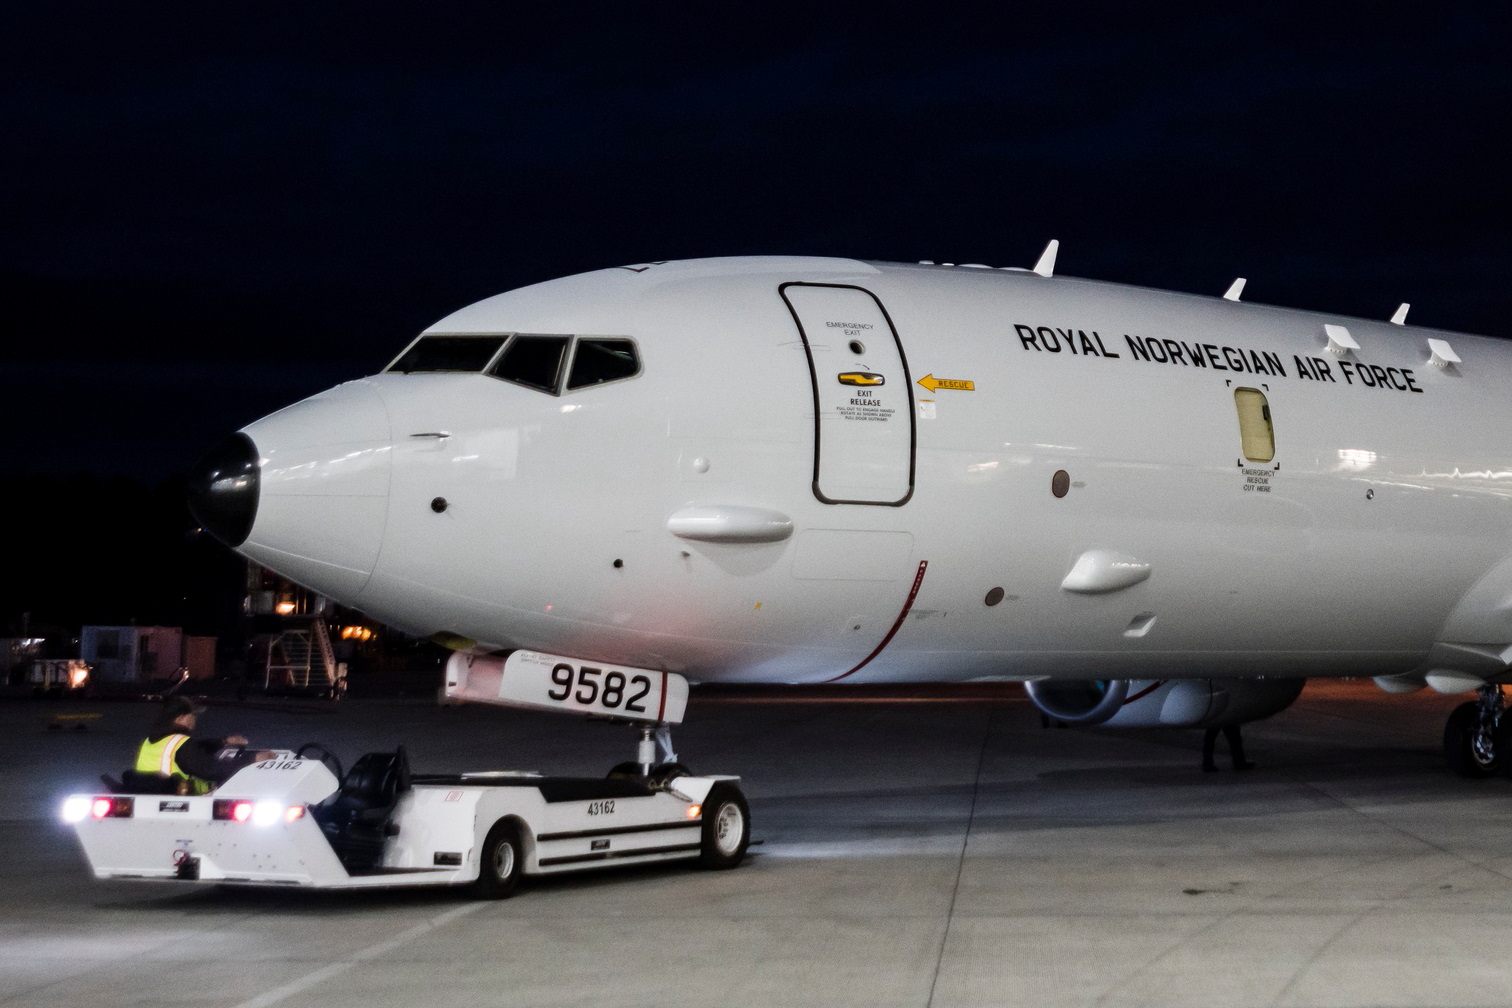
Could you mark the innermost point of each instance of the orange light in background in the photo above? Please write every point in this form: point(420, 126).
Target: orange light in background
point(359, 633)
point(284, 608)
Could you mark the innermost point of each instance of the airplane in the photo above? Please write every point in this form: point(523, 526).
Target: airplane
point(1152, 508)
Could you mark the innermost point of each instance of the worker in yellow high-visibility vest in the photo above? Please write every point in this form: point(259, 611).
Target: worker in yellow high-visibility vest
point(171, 749)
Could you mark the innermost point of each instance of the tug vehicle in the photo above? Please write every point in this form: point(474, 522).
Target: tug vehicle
point(297, 820)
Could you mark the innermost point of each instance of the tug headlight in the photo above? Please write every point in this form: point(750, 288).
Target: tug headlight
point(266, 813)
point(76, 808)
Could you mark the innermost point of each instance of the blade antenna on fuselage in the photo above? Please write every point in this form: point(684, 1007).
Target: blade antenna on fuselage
point(1045, 264)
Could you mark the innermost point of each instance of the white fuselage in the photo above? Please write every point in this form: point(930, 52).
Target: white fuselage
point(1376, 540)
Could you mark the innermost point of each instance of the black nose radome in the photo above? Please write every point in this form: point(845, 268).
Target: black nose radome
point(223, 489)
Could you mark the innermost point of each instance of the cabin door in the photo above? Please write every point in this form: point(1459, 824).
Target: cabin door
point(863, 396)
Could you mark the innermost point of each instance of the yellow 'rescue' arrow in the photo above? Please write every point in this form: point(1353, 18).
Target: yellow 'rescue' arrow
point(932, 383)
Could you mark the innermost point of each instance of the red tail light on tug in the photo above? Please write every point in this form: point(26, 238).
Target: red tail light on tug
point(259, 813)
point(231, 809)
point(111, 808)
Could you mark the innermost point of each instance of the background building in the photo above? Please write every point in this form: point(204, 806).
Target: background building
point(138, 654)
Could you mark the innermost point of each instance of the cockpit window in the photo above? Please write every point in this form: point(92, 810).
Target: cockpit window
point(533, 361)
point(601, 360)
point(449, 353)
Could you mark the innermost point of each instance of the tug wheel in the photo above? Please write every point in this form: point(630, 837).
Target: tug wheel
point(726, 828)
point(500, 862)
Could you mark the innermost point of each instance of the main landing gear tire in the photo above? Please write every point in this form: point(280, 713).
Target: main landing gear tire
point(1471, 753)
point(726, 828)
point(500, 862)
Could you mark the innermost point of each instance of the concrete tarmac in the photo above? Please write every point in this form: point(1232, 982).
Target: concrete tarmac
point(946, 853)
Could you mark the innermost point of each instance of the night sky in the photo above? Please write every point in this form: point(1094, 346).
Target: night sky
point(216, 209)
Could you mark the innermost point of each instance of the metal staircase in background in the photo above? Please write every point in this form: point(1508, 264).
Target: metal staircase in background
point(303, 659)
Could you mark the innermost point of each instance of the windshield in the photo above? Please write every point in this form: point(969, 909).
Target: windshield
point(449, 353)
point(546, 363)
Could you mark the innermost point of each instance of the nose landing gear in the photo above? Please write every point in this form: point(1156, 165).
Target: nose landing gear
point(655, 760)
point(1478, 735)
point(654, 740)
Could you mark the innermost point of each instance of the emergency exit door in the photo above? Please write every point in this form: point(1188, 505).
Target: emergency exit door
point(863, 397)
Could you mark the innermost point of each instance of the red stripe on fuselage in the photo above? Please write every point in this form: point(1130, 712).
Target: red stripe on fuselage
point(913, 593)
point(1144, 692)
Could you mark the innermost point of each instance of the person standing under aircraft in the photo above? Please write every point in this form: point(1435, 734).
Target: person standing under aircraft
point(204, 762)
point(1235, 748)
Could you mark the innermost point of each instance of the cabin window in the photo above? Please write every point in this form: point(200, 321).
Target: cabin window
point(533, 361)
point(1256, 435)
point(449, 353)
point(602, 360)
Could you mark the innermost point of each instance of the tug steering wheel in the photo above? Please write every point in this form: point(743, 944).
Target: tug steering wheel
point(314, 750)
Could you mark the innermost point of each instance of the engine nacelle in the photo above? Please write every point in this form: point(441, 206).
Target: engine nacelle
point(1162, 703)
